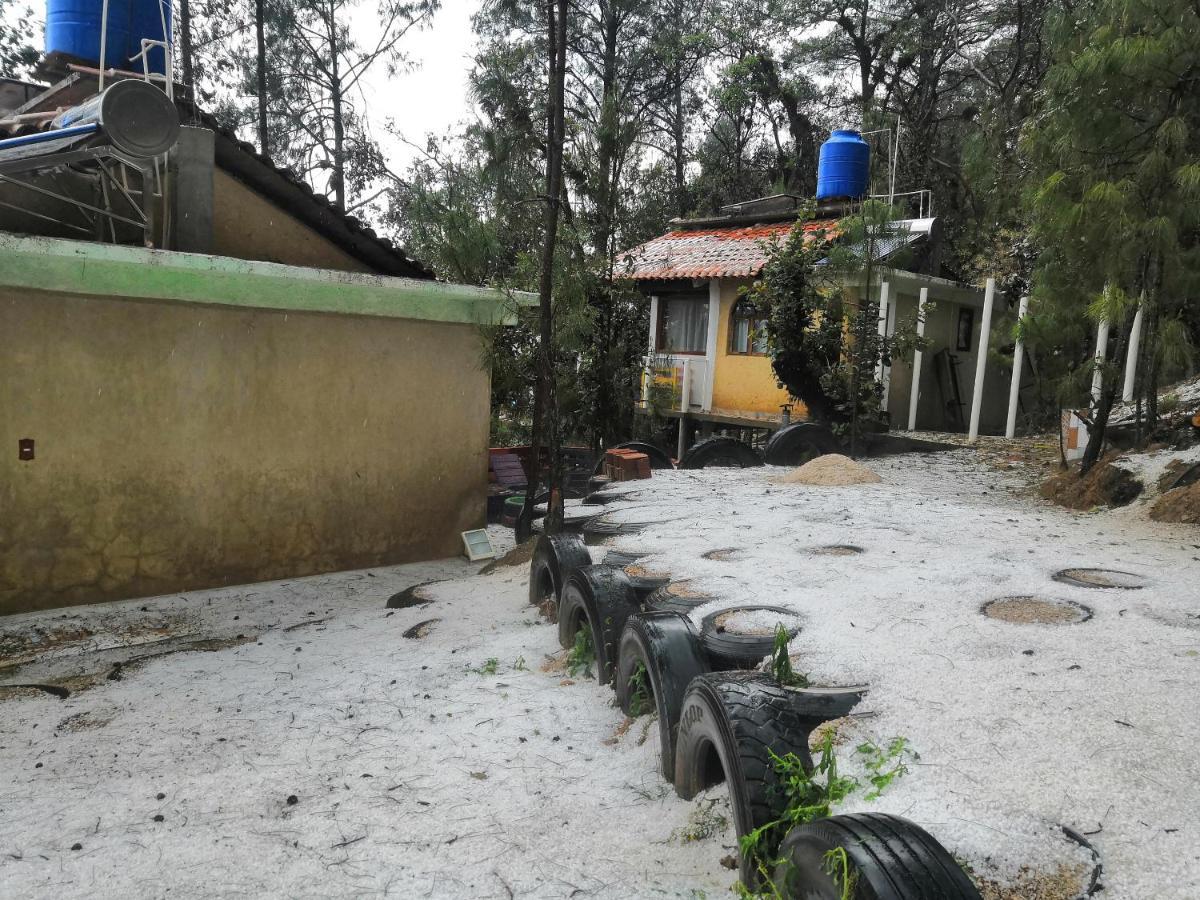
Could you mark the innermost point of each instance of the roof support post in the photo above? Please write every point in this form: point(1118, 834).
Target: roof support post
point(1014, 389)
point(884, 289)
point(914, 394)
point(1131, 358)
point(710, 349)
point(1101, 355)
point(981, 352)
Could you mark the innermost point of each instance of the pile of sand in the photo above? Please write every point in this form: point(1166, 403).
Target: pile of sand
point(830, 470)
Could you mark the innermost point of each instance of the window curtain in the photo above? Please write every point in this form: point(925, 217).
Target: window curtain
point(685, 325)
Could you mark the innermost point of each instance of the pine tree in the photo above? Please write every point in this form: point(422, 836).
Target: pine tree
point(1116, 145)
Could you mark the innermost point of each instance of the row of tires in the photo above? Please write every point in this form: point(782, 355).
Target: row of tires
point(789, 446)
point(722, 720)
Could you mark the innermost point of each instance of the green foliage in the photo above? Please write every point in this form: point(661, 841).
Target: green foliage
point(820, 291)
point(781, 662)
point(18, 55)
point(837, 866)
point(1114, 156)
point(490, 667)
point(811, 794)
point(582, 654)
point(884, 764)
point(641, 698)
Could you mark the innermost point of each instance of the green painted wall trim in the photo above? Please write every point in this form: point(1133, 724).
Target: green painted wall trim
point(105, 270)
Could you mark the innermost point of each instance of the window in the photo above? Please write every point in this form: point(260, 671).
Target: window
point(747, 329)
point(682, 324)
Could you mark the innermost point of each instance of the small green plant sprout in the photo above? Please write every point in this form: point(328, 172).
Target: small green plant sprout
point(837, 866)
point(582, 654)
point(519, 665)
point(885, 764)
point(781, 662)
point(704, 822)
point(641, 700)
point(491, 667)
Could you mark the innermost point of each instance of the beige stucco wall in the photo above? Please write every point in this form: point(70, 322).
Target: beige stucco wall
point(180, 446)
point(743, 384)
point(248, 226)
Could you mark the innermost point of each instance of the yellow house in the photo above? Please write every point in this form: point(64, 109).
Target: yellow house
point(706, 360)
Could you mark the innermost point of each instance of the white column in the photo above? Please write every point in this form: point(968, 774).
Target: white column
point(685, 386)
point(914, 394)
point(710, 350)
point(1101, 354)
point(1131, 358)
point(653, 324)
point(883, 320)
point(1014, 389)
point(981, 353)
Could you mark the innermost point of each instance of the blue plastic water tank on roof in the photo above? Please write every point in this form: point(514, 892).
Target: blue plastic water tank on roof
point(843, 168)
point(73, 28)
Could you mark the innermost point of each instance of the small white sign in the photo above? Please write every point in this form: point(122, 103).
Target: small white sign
point(477, 545)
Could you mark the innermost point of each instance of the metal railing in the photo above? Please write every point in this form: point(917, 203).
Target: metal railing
point(674, 382)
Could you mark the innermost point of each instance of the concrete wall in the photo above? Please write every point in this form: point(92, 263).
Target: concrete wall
point(248, 226)
point(180, 446)
point(743, 383)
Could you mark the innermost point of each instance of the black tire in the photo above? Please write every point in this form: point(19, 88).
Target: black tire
point(643, 585)
point(796, 444)
point(889, 858)
point(665, 644)
point(410, 597)
point(555, 557)
point(599, 598)
point(720, 451)
point(730, 724)
point(658, 459)
point(602, 527)
point(574, 518)
point(728, 649)
point(670, 598)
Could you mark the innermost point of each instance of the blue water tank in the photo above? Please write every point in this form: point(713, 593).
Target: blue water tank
point(73, 29)
point(147, 18)
point(844, 166)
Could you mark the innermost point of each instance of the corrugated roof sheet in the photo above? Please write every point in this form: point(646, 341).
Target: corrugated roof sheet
point(707, 253)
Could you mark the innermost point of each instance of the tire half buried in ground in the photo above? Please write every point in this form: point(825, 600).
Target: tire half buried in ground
point(1100, 578)
point(662, 645)
point(1036, 611)
point(677, 596)
point(601, 599)
point(740, 637)
point(885, 858)
point(730, 726)
point(720, 451)
point(796, 444)
point(555, 557)
point(658, 458)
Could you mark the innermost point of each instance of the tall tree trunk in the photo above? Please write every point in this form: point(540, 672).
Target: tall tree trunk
point(1108, 395)
point(545, 412)
point(679, 134)
point(261, 72)
point(338, 181)
point(185, 43)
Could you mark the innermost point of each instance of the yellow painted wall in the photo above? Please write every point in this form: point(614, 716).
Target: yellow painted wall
point(741, 383)
point(180, 446)
point(248, 226)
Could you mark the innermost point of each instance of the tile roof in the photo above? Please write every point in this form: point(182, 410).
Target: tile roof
point(735, 252)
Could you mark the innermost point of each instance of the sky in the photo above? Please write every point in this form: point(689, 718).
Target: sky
point(431, 98)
